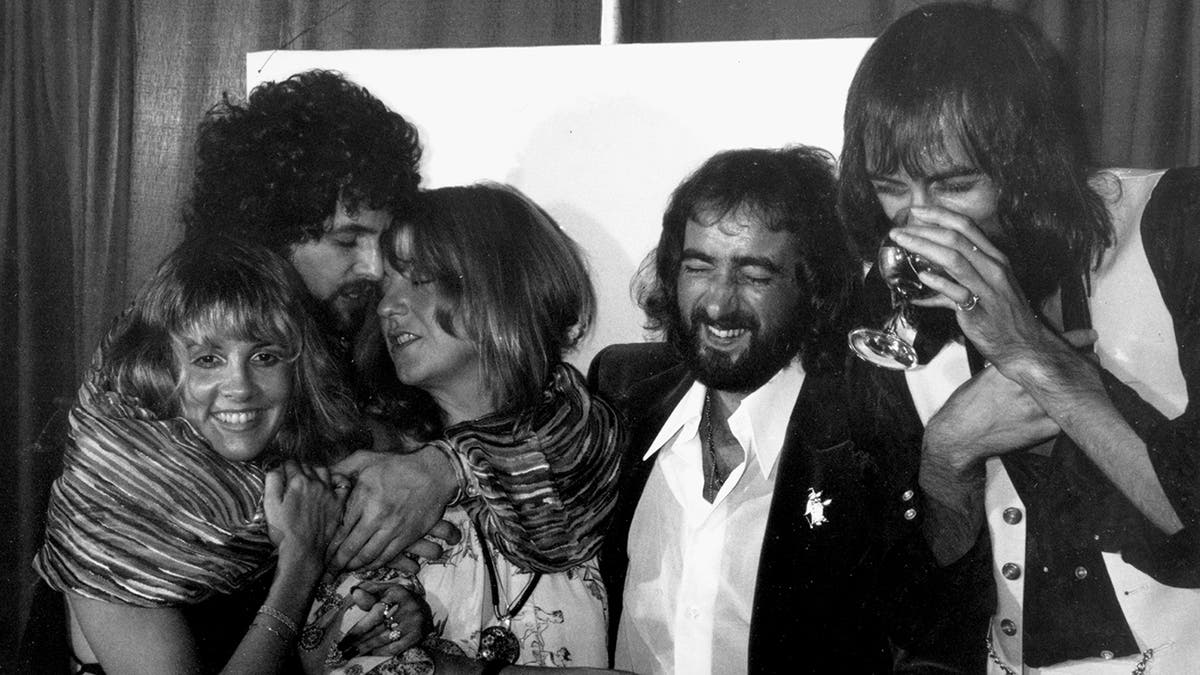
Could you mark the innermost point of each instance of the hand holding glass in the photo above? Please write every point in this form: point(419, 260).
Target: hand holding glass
point(899, 269)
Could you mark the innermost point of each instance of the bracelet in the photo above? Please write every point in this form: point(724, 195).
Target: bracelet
point(462, 477)
point(280, 617)
point(283, 638)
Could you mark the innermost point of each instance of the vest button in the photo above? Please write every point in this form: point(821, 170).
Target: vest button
point(1012, 515)
point(1011, 571)
point(906, 496)
point(1008, 627)
point(909, 514)
point(1081, 572)
point(1106, 655)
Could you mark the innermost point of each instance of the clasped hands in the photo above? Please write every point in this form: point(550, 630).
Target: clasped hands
point(373, 509)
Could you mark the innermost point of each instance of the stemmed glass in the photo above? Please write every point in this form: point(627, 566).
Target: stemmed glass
point(898, 268)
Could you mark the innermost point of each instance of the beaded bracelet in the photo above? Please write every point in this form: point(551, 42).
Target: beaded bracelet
point(283, 638)
point(280, 617)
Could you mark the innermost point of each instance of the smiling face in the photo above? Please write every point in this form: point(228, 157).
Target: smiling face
point(424, 354)
point(741, 308)
point(343, 266)
point(234, 392)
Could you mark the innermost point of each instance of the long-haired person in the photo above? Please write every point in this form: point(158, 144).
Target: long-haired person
point(483, 295)
point(1053, 412)
point(192, 480)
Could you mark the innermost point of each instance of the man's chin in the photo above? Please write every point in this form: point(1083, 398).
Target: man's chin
point(344, 316)
point(727, 372)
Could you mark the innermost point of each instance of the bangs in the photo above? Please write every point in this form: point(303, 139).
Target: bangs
point(238, 318)
point(918, 137)
point(432, 255)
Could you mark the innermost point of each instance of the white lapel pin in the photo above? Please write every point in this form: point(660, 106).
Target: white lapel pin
point(815, 510)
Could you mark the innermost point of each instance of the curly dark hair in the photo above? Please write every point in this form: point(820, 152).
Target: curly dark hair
point(271, 170)
point(792, 190)
point(989, 82)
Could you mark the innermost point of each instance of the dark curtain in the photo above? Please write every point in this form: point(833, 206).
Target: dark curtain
point(1138, 61)
point(100, 99)
point(67, 83)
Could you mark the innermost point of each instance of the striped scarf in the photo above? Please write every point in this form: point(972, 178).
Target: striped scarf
point(548, 473)
point(145, 513)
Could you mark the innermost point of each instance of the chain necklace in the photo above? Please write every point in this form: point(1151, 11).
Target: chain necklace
point(1139, 668)
point(713, 482)
point(499, 643)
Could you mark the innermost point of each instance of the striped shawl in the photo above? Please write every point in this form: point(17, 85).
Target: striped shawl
point(145, 513)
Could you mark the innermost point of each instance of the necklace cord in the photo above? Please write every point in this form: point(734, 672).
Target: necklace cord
point(516, 606)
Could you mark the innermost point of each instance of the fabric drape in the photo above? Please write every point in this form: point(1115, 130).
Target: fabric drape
point(66, 83)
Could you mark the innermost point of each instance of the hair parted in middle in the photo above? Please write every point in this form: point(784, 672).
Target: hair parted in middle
point(518, 284)
point(272, 169)
point(791, 189)
point(213, 287)
point(986, 82)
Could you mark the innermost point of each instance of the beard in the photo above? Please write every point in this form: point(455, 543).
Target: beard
point(350, 306)
point(766, 354)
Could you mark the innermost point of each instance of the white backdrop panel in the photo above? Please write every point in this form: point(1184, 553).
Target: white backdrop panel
point(598, 135)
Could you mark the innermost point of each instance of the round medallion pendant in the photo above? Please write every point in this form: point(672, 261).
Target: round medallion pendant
point(497, 643)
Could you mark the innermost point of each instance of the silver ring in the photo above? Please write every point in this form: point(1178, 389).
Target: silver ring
point(388, 609)
point(974, 249)
point(970, 304)
point(394, 634)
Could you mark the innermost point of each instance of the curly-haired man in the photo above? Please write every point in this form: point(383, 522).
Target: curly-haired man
point(314, 167)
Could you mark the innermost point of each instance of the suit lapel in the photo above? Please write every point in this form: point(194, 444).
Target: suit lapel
point(818, 421)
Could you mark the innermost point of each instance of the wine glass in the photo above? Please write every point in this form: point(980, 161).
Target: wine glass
point(899, 269)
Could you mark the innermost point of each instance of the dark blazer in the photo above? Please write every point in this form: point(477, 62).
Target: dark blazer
point(815, 603)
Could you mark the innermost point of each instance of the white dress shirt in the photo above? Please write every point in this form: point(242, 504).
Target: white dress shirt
point(689, 589)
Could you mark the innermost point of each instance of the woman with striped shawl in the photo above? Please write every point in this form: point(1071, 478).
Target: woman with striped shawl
point(193, 480)
point(482, 295)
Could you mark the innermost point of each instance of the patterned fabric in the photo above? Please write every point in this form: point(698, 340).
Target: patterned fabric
point(544, 483)
point(563, 623)
point(548, 475)
point(145, 513)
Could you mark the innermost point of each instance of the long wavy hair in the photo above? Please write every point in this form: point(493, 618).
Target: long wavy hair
point(508, 275)
point(789, 190)
point(985, 81)
point(272, 169)
point(216, 286)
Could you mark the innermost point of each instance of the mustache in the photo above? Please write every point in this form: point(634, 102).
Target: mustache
point(732, 320)
point(363, 287)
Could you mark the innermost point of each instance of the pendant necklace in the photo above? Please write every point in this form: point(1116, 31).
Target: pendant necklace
point(499, 643)
point(714, 482)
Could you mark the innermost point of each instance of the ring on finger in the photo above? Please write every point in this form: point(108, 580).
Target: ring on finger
point(394, 634)
point(389, 608)
point(968, 304)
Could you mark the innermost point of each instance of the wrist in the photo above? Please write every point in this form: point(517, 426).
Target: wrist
point(452, 472)
point(1049, 361)
point(299, 567)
